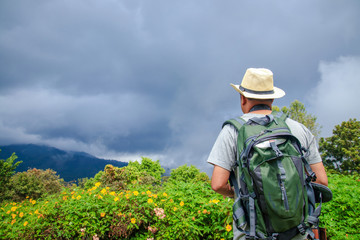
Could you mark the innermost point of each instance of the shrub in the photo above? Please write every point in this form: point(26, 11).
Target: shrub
point(185, 173)
point(178, 211)
point(7, 170)
point(34, 183)
point(341, 216)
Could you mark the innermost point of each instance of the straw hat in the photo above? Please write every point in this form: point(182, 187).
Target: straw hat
point(258, 83)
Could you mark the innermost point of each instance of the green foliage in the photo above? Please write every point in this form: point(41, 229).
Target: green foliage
point(7, 170)
point(297, 112)
point(174, 211)
point(144, 173)
point(185, 173)
point(149, 167)
point(182, 208)
point(342, 150)
point(341, 216)
point(34, 183)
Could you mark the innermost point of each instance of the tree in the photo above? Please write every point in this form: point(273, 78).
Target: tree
point(297, 112)
point(7, 170)
point(153, 168)
point(187, 174)
point(342, 150)
point(35, 183)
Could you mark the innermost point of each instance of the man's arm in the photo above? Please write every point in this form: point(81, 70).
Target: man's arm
point(319, 170)
point(219, 181)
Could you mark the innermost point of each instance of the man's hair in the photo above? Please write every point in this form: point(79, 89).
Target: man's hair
point(268, 101)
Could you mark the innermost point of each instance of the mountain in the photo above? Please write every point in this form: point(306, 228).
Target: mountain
point(69, 165)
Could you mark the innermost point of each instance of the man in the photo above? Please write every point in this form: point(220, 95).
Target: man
point(257, 93)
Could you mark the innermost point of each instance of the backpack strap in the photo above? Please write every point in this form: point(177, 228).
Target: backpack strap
point(236, 122)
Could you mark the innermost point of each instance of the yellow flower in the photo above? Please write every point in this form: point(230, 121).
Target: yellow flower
point(150, 200)
point(136, 193)
point(127, 196)
point(97, 184)
point(102, 214)
point(181, 203)
point(13, 221)
point(65, 198)
point(116, 199)
point(215, 201)
point(13, 215)
point(175, 208)
point(103, 191)
point(165, 194)
point(228, 228)
point(78, 197)
point(133, 220)
point(36, 211)
point(33, 202)
point(25, 223)
point(148, 192)
point(113, 193)
point(13, 209)
point(99, 197)
point(21, 214)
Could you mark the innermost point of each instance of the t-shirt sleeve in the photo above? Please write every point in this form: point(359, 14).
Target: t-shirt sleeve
point(307, 140)
point(223, 153)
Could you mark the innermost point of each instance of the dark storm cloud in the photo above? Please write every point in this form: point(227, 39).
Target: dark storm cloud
point(152, 77)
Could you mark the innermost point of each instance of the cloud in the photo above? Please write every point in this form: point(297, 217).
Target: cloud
point(139, 78)
point(335, 98)
point(117, 121)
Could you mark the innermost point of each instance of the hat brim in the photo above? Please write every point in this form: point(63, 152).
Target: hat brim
point(278, 93)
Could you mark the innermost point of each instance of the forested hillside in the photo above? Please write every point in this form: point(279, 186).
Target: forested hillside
point(69, 165)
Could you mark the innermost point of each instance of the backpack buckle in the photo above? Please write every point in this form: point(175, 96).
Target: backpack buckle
point(301, 228)
point(276, 149)
point(274, 236)
point(311, 177)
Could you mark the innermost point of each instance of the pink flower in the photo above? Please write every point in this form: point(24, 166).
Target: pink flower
point(160, 213)
point(152, 229)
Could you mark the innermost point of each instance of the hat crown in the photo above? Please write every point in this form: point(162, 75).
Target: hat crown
point(258, 79)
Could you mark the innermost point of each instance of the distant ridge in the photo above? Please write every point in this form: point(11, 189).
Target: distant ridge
point(69, 165)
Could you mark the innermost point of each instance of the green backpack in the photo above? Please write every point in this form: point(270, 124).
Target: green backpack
point(276, 199)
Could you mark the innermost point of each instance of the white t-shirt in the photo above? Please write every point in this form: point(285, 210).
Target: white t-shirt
point(224, 151)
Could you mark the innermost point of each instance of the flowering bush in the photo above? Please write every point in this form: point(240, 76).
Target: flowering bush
point(172, 211)
point(139, 210)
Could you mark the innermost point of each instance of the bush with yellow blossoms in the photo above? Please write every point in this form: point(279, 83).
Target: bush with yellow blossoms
point(132, 209)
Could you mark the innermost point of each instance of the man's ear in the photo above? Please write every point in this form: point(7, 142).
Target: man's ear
point(243, 100)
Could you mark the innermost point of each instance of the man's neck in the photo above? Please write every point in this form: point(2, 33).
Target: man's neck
point(260, 109)
point(264, 112)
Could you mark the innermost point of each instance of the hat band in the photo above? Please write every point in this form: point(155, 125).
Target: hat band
point(255, 92)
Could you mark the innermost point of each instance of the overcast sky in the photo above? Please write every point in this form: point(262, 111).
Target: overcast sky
point(125, 79)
